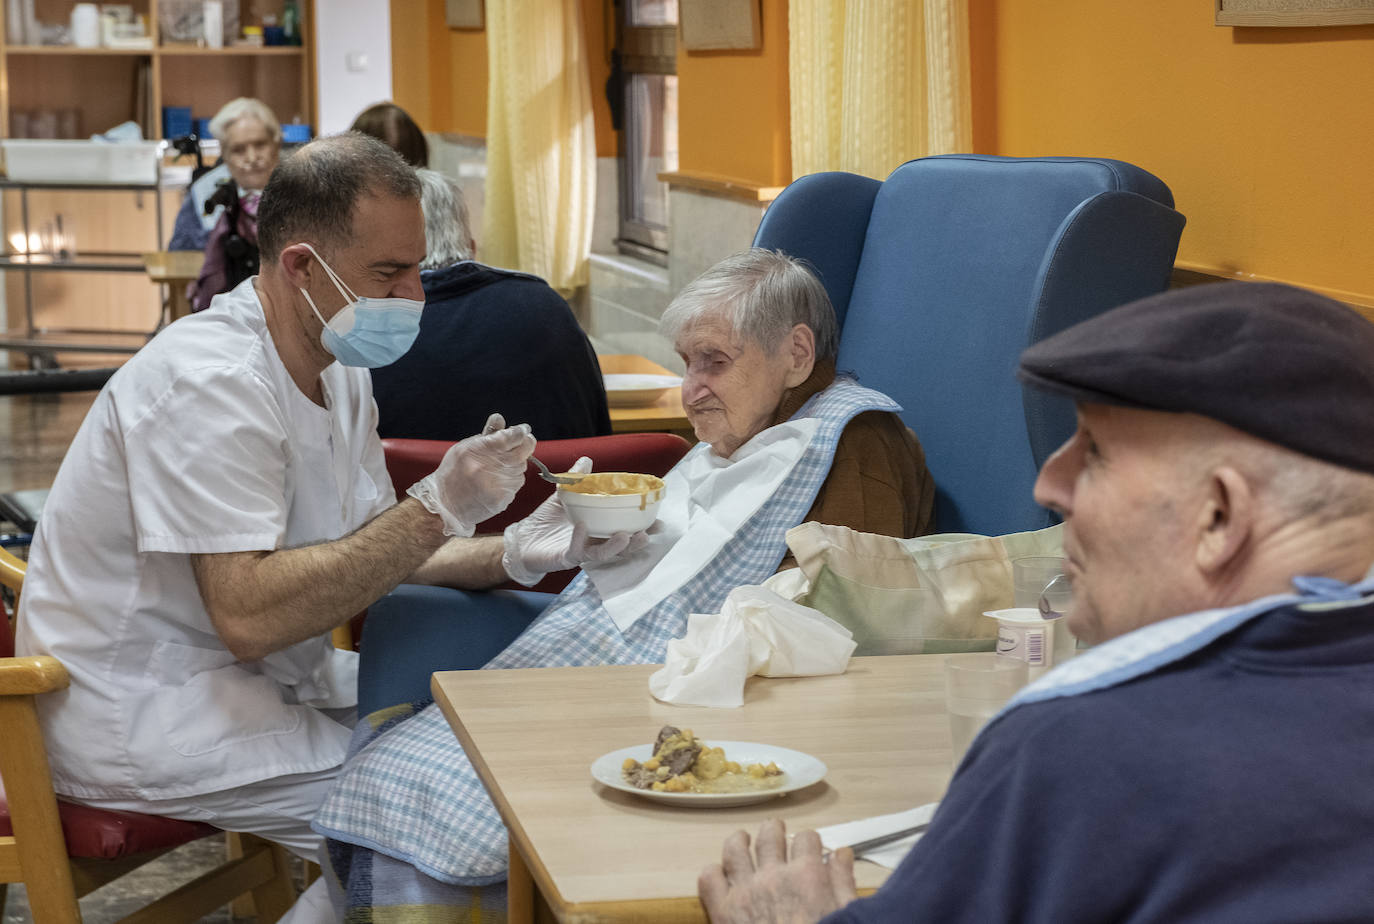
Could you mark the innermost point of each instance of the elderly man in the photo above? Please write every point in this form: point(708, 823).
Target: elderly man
point(490, 340)
point(225, 504)
point(783, 440)
point(1210, 758)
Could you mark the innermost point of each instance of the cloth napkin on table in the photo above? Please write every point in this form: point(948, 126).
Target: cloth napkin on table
point(757, 631)
point(848, 833)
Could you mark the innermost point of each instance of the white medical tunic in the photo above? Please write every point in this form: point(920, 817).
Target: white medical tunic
point(201, 443)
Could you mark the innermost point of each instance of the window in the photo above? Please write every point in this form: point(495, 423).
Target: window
point(644, 69)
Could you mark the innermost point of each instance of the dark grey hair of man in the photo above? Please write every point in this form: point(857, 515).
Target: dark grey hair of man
point(448, 236)
point(761, 294)
point(312, 194)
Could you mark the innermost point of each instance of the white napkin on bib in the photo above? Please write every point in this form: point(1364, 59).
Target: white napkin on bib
point(757, 631)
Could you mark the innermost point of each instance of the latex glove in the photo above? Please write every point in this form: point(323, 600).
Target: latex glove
point(478, 477)
point(547, 540)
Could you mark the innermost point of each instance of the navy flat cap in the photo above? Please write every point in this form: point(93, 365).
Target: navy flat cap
point(1278, 362)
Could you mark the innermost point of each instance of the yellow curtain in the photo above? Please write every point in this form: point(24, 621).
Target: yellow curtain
point(541, 147)
point(875, 83)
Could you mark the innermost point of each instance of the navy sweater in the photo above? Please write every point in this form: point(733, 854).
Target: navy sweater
point(1236, 785)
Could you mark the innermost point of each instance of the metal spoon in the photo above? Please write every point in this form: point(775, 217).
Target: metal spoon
point(1059, 584)
point(550, 476)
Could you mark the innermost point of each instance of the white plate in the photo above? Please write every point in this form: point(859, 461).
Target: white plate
point(626, 389)
point(799, 771)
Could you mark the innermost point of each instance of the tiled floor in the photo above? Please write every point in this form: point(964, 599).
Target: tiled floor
point(123, 896)
point(35, 431)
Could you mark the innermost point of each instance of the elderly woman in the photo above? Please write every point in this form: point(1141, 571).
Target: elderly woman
point(783, 440)
point(495, 339)
point(250, 142)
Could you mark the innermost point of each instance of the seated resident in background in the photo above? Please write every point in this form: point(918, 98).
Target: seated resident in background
point(392, 124)
point(1210, 759)
point(791, 441)
point(194, 219)
point(491, 340)
point(250, 140)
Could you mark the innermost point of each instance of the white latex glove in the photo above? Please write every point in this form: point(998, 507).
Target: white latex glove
point(478, 477)
point(547, 540)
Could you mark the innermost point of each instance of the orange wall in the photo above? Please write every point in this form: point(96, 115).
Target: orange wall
point(732, 108)
point(439, 75)
point(1263, 134)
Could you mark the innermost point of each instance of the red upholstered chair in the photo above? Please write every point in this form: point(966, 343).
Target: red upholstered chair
point(407, 461)
point(61, 851)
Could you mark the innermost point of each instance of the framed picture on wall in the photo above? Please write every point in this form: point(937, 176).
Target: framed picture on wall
point(720, 25)
point(464, 14)
point(1294, 12)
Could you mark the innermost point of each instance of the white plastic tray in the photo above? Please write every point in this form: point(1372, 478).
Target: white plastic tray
point(41, 161)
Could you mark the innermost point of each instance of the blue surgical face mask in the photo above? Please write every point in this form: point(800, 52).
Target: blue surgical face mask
point(367, 332)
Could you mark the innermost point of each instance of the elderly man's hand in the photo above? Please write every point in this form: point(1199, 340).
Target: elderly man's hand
point(547, 540)
point(796, 890)
point(478, 477)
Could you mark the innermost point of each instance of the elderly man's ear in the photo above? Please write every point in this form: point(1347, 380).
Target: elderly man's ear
point(801, 349)
point(1225, 521)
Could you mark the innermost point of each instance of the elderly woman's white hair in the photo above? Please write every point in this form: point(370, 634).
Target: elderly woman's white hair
point(448, 236)
point(762, 294)
point(244, 107)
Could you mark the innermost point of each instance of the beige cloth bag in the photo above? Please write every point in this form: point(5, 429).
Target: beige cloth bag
point(913, 596)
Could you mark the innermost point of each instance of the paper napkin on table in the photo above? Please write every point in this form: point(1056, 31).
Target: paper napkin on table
point(757, 631)
point(849, 833)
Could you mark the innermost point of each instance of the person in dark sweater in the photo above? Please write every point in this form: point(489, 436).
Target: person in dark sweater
point(1210, 759)
point(491, 341)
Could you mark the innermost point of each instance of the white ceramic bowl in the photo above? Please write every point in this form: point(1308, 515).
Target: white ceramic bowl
point(613, 502)
point(629, 389)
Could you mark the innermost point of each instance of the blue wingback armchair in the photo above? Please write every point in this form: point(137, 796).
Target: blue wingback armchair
point(943, 273)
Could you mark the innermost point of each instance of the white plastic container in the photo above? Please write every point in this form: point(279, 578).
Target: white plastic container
point(85, 25)
point(212, 15)
point(34, 161)
point(1024, 635)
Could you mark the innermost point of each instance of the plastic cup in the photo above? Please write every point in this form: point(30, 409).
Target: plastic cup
point(1030, 576)
point(977, 685)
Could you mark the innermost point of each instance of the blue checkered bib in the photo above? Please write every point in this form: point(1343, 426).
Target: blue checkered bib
point(412, 794)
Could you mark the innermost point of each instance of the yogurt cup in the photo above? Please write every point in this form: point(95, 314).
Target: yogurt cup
point(1024, 635)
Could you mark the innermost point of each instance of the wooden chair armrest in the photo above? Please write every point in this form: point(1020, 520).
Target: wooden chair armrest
point(31, 675)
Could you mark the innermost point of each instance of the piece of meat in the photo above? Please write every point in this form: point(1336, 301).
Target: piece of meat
point(640, 778)
point(664, 733)
point(681, 760)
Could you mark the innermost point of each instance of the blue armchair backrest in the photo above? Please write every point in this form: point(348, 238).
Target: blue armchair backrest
point(943, 273)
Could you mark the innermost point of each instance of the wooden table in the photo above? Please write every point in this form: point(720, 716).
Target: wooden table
point(176, 269)
point(665, 414)
point(592, 853)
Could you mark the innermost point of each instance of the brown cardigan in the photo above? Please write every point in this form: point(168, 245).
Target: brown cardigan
point(878, 482)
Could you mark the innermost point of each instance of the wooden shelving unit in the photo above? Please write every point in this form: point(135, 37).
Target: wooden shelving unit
point(98, 88)
point(110, 85)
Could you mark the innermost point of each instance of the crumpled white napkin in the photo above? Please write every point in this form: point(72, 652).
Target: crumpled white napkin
point(757, 631)
point(849, 833)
